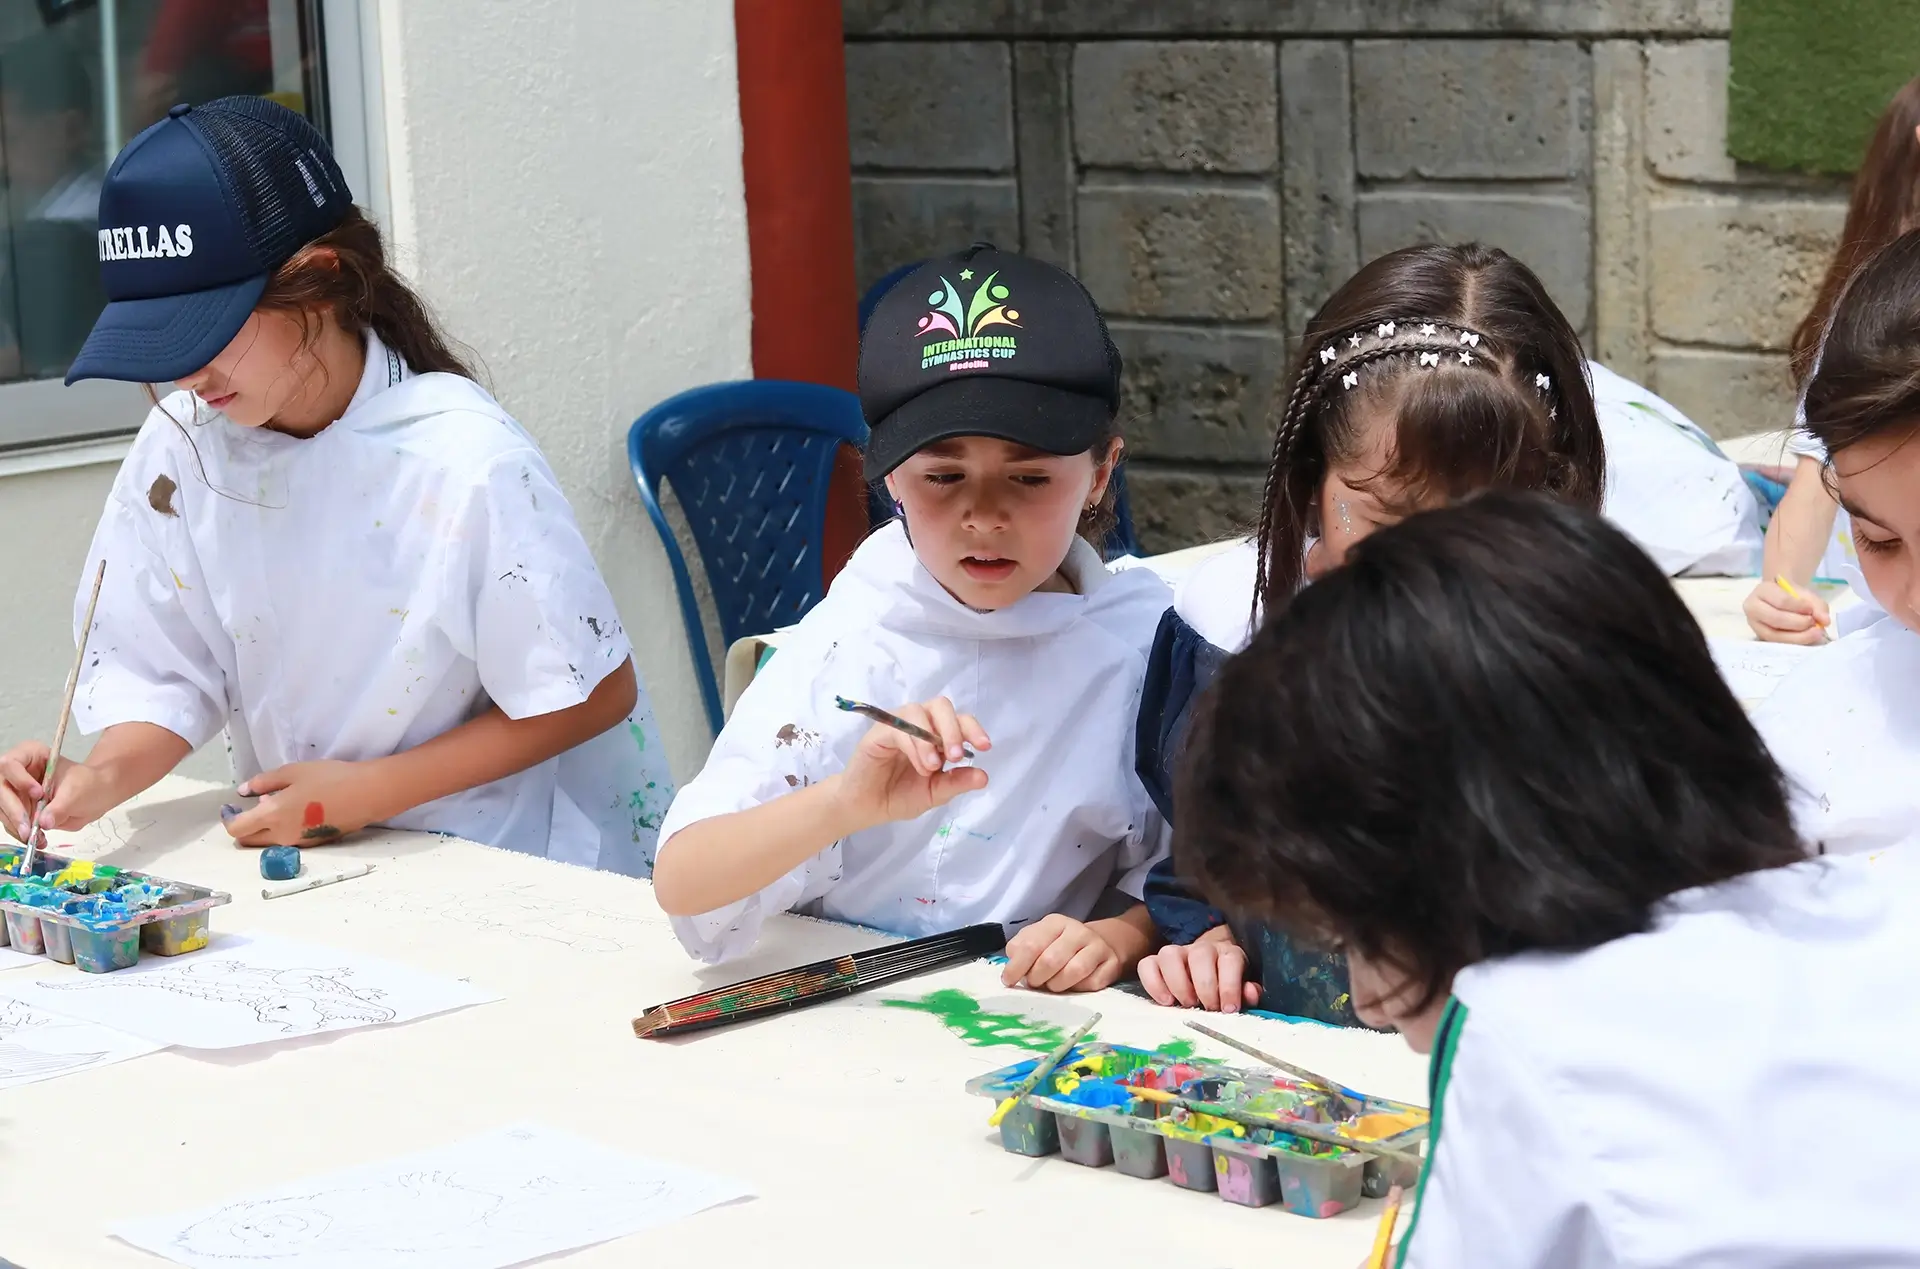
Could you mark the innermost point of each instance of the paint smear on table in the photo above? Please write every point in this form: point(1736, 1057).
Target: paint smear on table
point(513, 1195)
point(983, 1028)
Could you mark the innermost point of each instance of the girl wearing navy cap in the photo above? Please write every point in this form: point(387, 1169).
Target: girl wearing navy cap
point(983, 615)
point(330, 542)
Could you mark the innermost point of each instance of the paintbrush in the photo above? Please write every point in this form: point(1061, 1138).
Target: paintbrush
point(1383, 1239)
point(821, 981)
point(1336, 1092)
point(896, 722)
point(1780, 580)
point(1291, 1127)
point(34, 834)
point(1040, 1072)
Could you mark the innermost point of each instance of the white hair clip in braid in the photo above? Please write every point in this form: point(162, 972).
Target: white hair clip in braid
point(1327, 354)
point(1470, 338)
point(1428, 330)
point(1354, 339)
point(1384, 330)
point(1543, 383)
point(1350, 379)
point(1466, 358)
point(1429, 358)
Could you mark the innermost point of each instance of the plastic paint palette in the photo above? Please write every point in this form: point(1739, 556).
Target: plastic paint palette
point(73, 934)
point(1088, 1111)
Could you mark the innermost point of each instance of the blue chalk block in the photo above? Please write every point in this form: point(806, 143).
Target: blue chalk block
point(280, 863)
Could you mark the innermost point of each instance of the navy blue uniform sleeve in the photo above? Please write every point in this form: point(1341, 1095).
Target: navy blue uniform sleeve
point(1181, 664)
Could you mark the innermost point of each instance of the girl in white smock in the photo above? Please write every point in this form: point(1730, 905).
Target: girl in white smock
point(1843, 725)
point(332, 543)
point(981, 616)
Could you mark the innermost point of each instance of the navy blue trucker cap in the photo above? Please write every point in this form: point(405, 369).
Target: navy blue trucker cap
point(195, 215)
point(985, 343)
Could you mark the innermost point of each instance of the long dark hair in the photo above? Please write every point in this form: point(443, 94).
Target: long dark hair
point(1494, 729)
point(1868, 382)
point(1481, 373)
point(346, 270)
point(1886, 203)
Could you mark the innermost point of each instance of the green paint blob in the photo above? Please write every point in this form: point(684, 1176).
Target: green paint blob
point(639, 737)
point(1178, 1050)
point(961, 1014)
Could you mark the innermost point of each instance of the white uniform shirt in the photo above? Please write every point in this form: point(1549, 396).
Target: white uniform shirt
point(1669, 487)
point(1663, 1101)
point(1845, 727)
point(1055, 681)
point(357, 593)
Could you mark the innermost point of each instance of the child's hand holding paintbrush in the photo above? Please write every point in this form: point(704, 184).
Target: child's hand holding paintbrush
point(901, 768)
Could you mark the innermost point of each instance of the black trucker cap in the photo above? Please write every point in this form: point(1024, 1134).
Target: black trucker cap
point(986, 343)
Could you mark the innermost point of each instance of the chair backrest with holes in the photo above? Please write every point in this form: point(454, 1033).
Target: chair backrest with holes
point(750, 463)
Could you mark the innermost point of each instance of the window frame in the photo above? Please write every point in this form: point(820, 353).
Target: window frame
point(94, 421)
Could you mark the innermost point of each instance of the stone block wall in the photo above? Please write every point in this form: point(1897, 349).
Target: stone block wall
point(1213, 169)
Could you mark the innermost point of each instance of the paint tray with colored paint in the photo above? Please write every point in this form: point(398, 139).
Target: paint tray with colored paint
point(1097, 1109)
point(98, 917)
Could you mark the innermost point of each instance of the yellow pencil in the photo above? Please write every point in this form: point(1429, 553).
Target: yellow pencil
point(1383, 1241)
point(1781, 580)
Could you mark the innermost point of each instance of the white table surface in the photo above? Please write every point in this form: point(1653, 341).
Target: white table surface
point(849, 1119)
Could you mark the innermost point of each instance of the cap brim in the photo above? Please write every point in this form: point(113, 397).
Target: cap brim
point(1051, 420)
point(160, 339)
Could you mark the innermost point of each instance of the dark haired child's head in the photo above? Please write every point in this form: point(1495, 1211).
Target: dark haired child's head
point(1885, 204)
point(1863, 403)
point(1495, 729)
point(992, 389)
point(1433, 372)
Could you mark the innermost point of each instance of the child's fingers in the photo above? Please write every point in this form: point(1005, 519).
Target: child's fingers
point(928, 757)
point(1250, 994)
point(1171, 964)
point(1083, 972)
point(1058, 955)
point(252, 823)
point(266, 782)
point(1154, 982)
point(976, 734)
point(945, 723)
point(1024, 948)
point(1230, 963)
point(945, 786)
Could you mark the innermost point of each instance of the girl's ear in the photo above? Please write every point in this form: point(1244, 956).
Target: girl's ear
point(1104, 468)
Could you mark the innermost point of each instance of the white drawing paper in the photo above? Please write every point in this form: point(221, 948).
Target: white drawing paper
point(510, 1196)
point(244, 989)
point(36, 1045)
point(1753, 669)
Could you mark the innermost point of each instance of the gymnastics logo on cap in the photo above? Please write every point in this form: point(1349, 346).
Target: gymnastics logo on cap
point(986, 343)
point(195, 215)
point(969, 349)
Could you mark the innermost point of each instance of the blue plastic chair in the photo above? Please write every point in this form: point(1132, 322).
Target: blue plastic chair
point(751, 463)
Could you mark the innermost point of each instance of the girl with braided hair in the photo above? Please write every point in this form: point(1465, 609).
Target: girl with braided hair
point(1435, 371)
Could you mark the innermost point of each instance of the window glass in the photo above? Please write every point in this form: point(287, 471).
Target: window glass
point(78, 78)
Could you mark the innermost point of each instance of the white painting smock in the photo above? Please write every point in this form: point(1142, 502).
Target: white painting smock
point(1845, 727)
point(1669, 487)
point(1055, 681)
point(1632, 1105)
point(357, 593)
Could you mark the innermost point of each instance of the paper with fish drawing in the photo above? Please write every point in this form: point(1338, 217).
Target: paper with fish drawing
point(244, 989)
point(502, 1199)
point(36, 1045)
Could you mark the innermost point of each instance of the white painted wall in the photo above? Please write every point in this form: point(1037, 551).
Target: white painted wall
point(565, 188)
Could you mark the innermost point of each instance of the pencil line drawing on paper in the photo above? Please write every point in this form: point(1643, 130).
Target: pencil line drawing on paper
point(20, 1064)
point(297, 1001)
point(418, 1213)
point(517, 911)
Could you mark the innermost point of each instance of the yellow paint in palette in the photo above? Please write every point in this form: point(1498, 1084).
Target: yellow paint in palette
point(80, 870)
point(1379, 1127)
